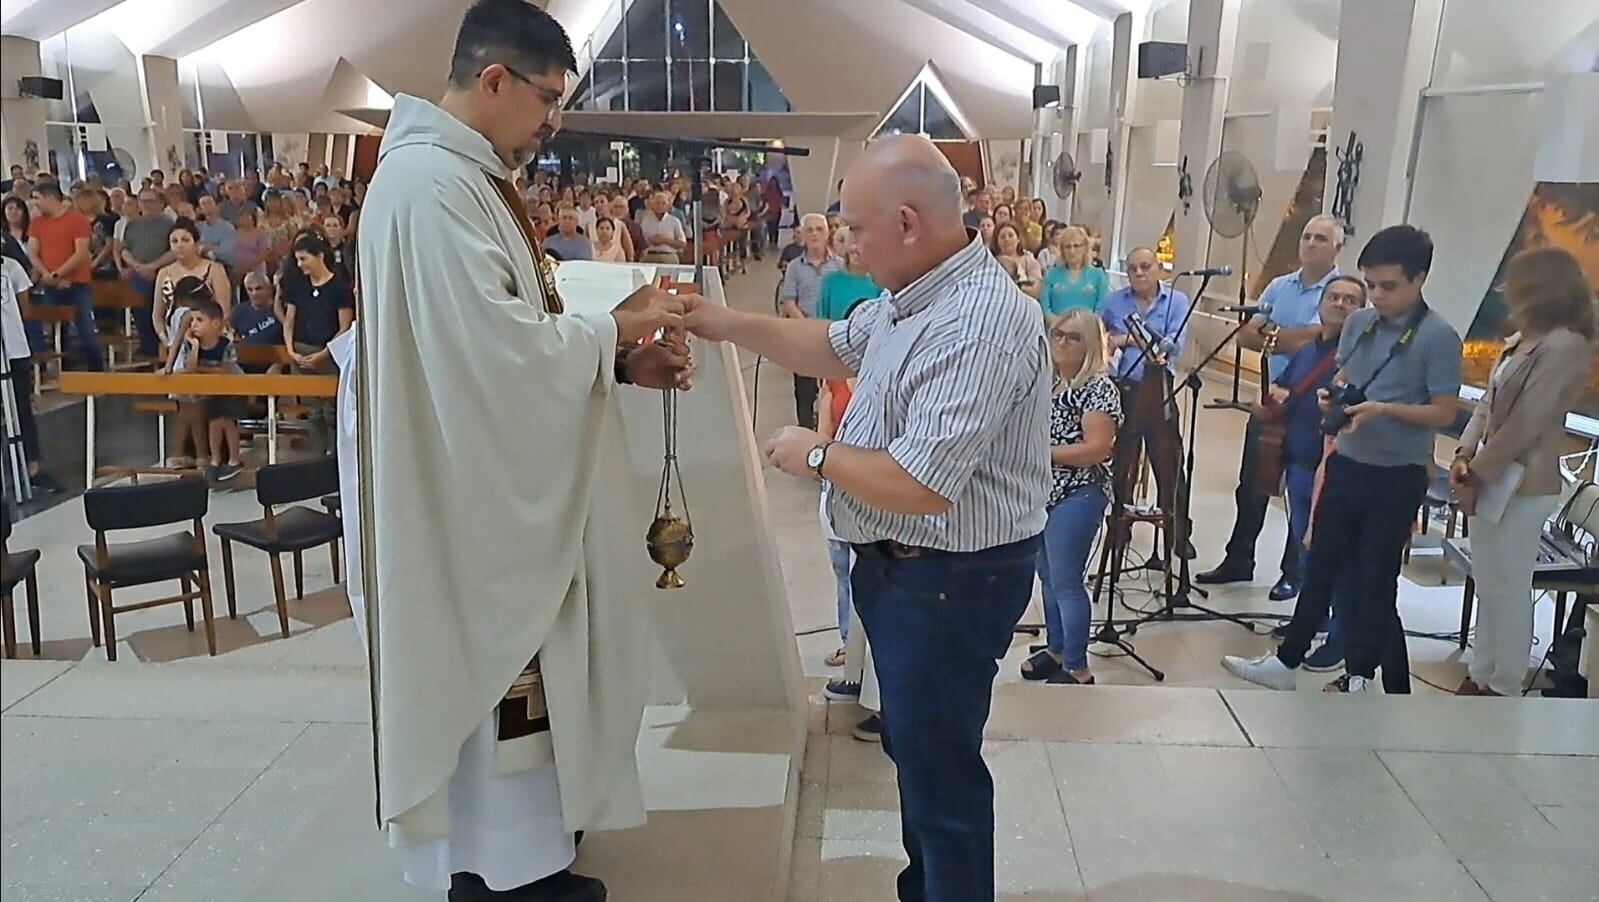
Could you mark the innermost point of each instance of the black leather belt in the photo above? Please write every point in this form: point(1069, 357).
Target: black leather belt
point(896, 551)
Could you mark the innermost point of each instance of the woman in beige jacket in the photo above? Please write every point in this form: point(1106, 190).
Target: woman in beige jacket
point(1513, 442)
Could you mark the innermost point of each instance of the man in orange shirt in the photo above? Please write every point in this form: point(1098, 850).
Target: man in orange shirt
point(63, 235)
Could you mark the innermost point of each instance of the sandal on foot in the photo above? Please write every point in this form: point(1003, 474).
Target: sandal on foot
point(836, 659)
point(1040, 666)
point(1064, 677)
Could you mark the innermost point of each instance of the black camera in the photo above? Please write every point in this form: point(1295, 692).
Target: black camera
point(1339, 399)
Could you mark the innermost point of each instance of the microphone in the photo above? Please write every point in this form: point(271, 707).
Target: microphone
point(1209, 272)
point(1260, 309)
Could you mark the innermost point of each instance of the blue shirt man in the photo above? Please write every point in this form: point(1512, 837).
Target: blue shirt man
point(1164, 317)
point(1293, 302)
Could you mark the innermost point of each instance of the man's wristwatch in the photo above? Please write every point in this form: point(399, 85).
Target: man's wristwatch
point(817, 458)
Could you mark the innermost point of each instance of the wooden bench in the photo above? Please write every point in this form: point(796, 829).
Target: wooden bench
point(53, 317)
point(119, 295)
point(155, 387)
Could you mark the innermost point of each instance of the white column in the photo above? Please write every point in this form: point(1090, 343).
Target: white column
point(340, 154)
point(316, 152)
point(23, 118)
point(1128, 31)
point(163, 102)
point(1061, 124)
point(1212, 34)
point(1385, 59)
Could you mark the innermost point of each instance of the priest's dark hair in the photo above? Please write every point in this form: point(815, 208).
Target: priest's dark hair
point(513, 33)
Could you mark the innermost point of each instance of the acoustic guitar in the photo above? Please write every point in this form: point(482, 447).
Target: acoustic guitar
point(1271, 422)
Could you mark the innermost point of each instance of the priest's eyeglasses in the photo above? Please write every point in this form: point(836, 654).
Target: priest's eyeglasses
point(553, 98)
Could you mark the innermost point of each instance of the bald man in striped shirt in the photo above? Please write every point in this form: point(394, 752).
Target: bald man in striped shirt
point(938, 478)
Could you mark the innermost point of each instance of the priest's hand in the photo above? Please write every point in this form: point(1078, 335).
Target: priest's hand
point(644, 312)
point(789, 447)
point(664, 363)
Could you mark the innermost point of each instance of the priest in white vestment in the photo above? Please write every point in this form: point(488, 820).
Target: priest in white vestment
point(502, 571)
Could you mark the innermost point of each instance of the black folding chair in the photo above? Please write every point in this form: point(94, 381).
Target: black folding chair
point(178, 556)
point(291, 531)
point(17, 567)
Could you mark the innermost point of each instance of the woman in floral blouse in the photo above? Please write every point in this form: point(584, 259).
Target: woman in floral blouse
point(1083, 419)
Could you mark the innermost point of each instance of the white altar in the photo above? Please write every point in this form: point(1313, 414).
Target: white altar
point(725, 734)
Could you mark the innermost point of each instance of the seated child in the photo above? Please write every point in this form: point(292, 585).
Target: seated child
point(206, 350)
point(189, 426)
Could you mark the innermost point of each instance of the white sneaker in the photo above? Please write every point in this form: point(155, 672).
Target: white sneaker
point(1267, 670)
point(1349, 684)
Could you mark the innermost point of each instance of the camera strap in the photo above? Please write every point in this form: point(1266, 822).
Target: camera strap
point(1412, 326)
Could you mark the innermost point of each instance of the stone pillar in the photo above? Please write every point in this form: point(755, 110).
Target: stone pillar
point(316, 152)
point(1057, 130)
point(1128, 31)
point(23, 118)
point(1385, 59)
point(163, 102)
point(1212, 34)
point(341, 154)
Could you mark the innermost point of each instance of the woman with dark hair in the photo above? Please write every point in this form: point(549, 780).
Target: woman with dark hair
point(314, 311)
point(1506, 471)
point(1013, 256)
point(985, 231)
point(184, 243)
point(16, 243)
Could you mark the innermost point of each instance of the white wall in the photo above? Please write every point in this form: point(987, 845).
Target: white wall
point(857, 55)
point(1287, 55)
point(1475, 164)
point(1492, 41)
point(23, 119)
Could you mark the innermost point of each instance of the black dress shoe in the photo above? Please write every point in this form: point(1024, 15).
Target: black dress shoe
point(562, 886)
point(1285, 589)
point(1228, 572)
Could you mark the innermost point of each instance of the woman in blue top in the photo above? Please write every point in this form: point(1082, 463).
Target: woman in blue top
point(1073, 281)
point(843, 288)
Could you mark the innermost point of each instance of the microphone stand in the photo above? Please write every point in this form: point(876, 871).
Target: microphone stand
point(1185, 585)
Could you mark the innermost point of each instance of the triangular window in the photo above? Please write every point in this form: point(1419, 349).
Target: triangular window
point(925, 108)
point(678, 55)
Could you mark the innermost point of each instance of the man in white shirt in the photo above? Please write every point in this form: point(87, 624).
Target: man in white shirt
point(14, 285)
point(663, 233)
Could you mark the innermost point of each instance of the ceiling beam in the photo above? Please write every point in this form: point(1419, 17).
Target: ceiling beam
point(217, 23)
point(41, 19)
point(988, 28)
point(1030, 17)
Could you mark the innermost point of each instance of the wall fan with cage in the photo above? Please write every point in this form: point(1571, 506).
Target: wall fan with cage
point(1231, 197)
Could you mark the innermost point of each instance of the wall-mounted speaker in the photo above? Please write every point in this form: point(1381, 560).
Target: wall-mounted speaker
point(41, 87)
point(1045, 95)
point(1157, 59)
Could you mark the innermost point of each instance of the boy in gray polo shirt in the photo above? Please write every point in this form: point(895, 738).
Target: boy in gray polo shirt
point(1406, 360)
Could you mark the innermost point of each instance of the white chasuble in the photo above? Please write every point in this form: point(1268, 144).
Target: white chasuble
point(497, 519)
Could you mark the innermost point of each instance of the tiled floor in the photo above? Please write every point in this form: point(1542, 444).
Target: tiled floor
point(173, 776)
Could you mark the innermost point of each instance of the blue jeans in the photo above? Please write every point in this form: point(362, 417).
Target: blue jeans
point(149, 344)
point(1301, 483)
point(1068, 536)
point(78, 297)
point(838, 554)
point(938, 625)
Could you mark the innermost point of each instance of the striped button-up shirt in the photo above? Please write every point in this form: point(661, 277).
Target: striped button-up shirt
point(954, 384)
point(802, 281)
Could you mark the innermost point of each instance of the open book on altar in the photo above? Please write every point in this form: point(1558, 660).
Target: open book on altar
point(727, 637)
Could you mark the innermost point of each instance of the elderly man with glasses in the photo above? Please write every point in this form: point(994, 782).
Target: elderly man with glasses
point(1149, 309)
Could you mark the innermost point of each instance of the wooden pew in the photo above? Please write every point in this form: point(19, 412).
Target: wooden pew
point(53, 317)
point(118, 295)
point(159, 385)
